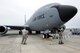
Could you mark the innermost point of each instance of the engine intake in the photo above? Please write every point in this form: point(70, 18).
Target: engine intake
point(3, 29)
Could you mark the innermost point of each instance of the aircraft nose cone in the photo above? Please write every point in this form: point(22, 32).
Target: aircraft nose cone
point(66, 12)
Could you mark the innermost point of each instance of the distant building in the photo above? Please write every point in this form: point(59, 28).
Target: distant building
point(75, 31)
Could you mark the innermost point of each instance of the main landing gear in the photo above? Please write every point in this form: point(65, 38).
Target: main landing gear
point(60, 37)
point(46, 36)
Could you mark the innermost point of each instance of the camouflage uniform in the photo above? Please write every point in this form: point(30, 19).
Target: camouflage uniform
point(25, 36)
point(60, 37)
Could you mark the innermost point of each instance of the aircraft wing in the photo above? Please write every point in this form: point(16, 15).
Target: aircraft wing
point(18, 27)
point(4, 28)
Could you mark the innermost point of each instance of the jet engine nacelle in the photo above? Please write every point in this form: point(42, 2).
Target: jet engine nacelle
point(3, 29)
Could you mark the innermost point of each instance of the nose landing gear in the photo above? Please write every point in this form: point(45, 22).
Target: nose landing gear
point(20, 32)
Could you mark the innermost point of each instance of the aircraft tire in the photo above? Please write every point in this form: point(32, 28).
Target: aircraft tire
point(37, 32)
point(20, 32)
point(47, 36)
point(30, 32)
point(44, 36)
point(60, 42)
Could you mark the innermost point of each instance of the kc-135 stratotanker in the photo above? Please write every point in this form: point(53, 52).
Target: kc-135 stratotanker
point(50, 17)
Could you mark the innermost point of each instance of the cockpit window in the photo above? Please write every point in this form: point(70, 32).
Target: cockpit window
point(39, 17)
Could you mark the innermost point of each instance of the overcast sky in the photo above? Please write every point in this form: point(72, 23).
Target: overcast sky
point(12, 11)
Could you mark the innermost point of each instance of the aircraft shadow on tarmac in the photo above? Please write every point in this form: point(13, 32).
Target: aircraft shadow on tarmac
point(14, 34)
point(9, 34)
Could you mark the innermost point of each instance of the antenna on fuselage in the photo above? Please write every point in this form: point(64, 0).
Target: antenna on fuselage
point(25, 19)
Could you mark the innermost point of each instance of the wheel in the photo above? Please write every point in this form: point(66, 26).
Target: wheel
point(37, 32)
point(20, 32)
point(30, 32)
point(60, 42)
point(47, 36)
point(44, 35)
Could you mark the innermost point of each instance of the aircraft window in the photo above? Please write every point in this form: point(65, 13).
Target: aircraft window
point(51, 16)
point(41, 16)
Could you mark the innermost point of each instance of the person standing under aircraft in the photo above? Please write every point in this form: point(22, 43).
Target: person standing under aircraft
point(60, 36)
point(25, 36)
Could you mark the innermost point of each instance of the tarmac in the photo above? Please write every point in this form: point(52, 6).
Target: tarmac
point(11, 43)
